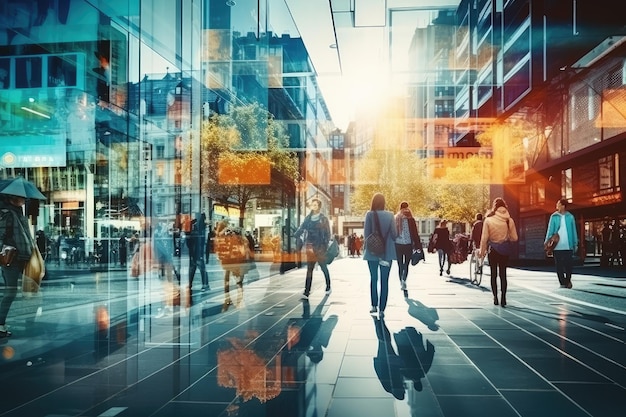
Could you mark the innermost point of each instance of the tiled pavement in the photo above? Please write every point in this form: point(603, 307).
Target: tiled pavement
point(443, 349)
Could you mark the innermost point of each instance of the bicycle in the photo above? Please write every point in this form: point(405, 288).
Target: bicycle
point(476, 267)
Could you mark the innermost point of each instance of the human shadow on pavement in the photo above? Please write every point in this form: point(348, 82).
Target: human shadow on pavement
point(426, 315)
point(412, 361)
point(467, 283)
point(312, 333)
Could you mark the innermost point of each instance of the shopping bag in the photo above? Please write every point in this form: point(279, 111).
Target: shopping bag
point(34, 271)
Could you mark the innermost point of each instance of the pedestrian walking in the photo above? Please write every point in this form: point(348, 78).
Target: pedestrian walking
point(196, 242)
point(123, 247)
point(477, 230)
point(498, 234)
point(562, 223)
point(163, 258)
point(317, 228)
point(443, 245)
point(13, 235)
point(358, 245)
point(381, 221)
point(407, 241)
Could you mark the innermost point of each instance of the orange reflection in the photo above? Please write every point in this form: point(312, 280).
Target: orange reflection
point(244, 169)
point(251, 375)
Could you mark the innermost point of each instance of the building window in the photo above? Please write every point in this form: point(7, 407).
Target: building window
point(608, 172)
point(566, 184)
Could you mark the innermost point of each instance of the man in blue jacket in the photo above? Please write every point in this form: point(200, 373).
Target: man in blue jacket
point(563, 223)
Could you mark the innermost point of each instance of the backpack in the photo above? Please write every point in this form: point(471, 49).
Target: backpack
point(375, 243)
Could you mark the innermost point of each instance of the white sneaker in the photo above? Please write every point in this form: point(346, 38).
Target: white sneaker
point(403, 285)
point(373, 310)
point(328, 291)
point(304, 297)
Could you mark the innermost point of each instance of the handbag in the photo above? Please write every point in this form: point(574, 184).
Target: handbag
point(7, 255)
point(375, 243)
point(432, 242)
point(548, 247)
point(417, 256)
point(34, 271)
point(332, 252)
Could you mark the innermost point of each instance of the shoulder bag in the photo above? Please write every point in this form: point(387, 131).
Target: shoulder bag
point(505, 247)
point(332, 252)
point(375, 242)
point(549, 244)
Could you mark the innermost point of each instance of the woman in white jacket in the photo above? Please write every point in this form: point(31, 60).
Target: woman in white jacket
point(498, 234)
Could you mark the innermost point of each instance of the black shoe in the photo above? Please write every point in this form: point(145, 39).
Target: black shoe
point(448, 271)
point(440, 272)
point(5, 333)
point(495, 300)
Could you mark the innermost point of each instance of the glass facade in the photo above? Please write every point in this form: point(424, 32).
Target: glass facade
point(175, 139)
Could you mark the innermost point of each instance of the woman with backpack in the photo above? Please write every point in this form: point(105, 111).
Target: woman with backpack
point(380, 251)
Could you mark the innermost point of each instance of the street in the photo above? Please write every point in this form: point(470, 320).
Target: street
point(96, 345)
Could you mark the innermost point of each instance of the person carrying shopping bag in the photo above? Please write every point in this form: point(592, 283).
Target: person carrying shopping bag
point(381, 233)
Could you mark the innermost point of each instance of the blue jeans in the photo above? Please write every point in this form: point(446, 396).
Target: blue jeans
point(442, 259)
point(564, 261)
point(197, 263)
point(384, 284)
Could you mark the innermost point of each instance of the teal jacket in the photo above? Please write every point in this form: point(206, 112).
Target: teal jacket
point(570, 224)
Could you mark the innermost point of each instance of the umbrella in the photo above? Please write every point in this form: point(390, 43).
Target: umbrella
point(20, 187)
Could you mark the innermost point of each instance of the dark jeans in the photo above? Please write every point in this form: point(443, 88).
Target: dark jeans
point(564, 261)
point(309, 275)
point(199, 264)
point(498, 264)
point(403, 254)
point(384, 284)
point(11, 275)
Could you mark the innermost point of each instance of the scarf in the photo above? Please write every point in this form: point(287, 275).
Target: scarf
point(405, 213)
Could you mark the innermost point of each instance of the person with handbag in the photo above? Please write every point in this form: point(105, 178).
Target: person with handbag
point(407, 241)
point(379, 221)
point(563, 224)
point(13, 227)
point(498, 233)
point(317, 228)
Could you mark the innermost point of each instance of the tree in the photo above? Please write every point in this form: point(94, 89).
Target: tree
point(463, 192)
point(397, 174)
point(245, 156)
